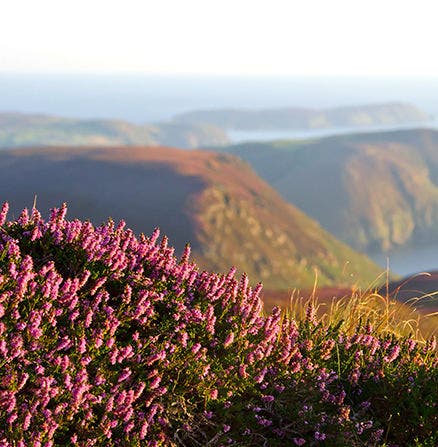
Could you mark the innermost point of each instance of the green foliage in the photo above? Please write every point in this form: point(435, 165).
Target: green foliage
point(375, 191)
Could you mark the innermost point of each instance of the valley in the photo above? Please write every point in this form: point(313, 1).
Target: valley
point(376, 191)
point(214, 201)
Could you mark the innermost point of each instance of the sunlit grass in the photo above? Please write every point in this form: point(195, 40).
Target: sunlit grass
point(381, 310)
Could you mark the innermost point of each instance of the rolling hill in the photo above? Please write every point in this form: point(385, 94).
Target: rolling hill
point(420, 291)
point(375, 191)
point(214, 201)
point(23, 130)
point(302, 118)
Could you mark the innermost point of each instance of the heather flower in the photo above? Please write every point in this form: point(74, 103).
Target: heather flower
point(327, 349)
point(431, 344)
point(395, 351)
point(311, 315)
point(155, 383)
point(263, 421)
point(319, 436)
point(108, 339)
point(229, 339)
point(195, 348)
point(3, 213)
point(242, 371)
point(377, 435)
point(260, 377)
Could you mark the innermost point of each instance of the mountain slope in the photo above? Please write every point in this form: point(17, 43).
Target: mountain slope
point(375, 191)
point(420, 291)
point(215, 201)
point(22, 130)
point(301, 118)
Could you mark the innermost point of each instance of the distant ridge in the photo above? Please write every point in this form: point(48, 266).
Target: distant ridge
point(214, 201)
point(24, 130)
point(295, 118)
point(420, 291)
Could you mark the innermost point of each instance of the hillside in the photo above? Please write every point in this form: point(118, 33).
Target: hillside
point(215, 201)
point(23, 130)
point(302, 118)
point(109, 340)
point(420, 291)
point(375, 191)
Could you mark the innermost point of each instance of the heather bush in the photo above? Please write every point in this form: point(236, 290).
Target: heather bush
point(107, 339)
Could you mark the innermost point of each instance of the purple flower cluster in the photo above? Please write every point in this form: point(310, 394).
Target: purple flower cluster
point(107, 339)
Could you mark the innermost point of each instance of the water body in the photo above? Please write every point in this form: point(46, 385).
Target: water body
point(410, 261)
point(240, 136)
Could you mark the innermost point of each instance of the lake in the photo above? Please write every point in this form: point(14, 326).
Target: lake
point(410, 261)
point(240, 136)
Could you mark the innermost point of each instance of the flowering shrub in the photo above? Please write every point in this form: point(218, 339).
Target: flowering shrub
point(107, 339)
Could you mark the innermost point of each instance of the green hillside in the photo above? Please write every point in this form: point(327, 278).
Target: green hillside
point(214, 201)
point(23, 130)
point(302, 118)
point(375, 191)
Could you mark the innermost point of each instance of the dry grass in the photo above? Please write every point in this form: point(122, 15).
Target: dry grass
point(358, 307)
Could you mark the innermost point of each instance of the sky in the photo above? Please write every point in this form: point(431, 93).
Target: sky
point(221, 37)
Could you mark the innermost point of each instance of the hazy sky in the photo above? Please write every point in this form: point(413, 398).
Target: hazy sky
point(240, 37)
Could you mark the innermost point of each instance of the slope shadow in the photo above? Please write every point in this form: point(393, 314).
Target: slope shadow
point(144, 195)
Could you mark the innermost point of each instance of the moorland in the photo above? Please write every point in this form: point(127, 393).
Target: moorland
point(112, 335)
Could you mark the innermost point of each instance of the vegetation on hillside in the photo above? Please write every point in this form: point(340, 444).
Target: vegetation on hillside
point(291, 118)
point(384, 309)
point(24, 130)
point(107, 339)
point(215, 201)
point(374, 191)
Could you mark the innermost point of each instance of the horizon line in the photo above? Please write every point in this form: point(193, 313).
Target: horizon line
point(145, 74)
